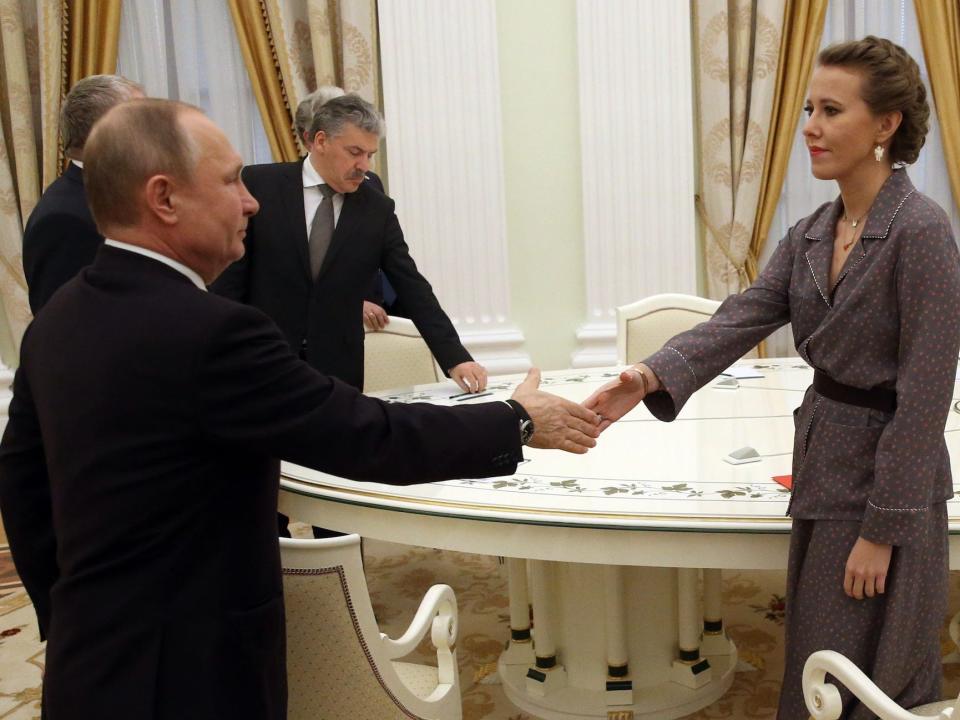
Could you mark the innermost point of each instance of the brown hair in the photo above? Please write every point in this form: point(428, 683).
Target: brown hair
point(133, 142)
point(891, 82)
point(86, 103)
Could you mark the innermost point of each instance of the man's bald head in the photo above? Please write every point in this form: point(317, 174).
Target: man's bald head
point(131, 143)
point(162, 176)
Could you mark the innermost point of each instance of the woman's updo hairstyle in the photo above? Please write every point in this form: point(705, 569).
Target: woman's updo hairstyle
point(891, 81)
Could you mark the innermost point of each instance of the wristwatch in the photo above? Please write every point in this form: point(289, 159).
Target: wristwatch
point(526, 424)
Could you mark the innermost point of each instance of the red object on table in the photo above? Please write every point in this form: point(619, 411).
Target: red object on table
point(785, 480)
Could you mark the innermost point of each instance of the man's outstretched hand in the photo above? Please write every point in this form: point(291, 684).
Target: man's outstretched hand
point(557, 423)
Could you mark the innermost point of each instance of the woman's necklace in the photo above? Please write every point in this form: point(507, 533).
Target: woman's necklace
point(853, 224)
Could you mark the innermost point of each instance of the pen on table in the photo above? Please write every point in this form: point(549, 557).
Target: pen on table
point(462, 395)
point(471, 396)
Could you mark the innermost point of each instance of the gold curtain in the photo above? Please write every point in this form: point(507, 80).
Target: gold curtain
point(800, 41)
point(257, 42)
point(345, 42)
point(51, 42)
point(47, 45)
point(19, 160)
point(939, 22)
point(93, 32)
point(737, 50)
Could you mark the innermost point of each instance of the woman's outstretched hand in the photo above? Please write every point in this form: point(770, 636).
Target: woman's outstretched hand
point(618, 397)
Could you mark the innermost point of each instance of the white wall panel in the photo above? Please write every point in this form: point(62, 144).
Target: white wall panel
point(637, 140)
point(441, 93)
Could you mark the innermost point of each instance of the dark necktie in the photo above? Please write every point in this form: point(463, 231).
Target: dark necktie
point(321, 230)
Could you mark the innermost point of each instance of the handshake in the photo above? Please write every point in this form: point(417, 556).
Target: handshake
point(563, 425)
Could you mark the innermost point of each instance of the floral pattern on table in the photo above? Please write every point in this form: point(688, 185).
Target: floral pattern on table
point(599, 487)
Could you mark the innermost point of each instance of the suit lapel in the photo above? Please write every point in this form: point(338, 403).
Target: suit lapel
point(884, 210)
point(350, 214)
point(820, 255)
point(292, 194)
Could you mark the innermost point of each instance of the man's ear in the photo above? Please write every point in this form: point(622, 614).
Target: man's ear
point(320, 140)
point(159, 196)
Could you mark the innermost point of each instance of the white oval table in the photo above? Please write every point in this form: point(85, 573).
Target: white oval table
point(607, 548)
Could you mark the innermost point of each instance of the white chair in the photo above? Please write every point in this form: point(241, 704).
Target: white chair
point(397, 356)
point(339, 665)
point(823, 698)
point(644, 326)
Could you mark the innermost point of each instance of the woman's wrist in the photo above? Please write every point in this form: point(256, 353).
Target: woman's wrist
point(651, 383)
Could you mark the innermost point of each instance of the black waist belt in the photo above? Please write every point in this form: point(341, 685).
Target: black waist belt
point(877, 398)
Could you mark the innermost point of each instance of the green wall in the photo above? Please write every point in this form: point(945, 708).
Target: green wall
point(541, 147)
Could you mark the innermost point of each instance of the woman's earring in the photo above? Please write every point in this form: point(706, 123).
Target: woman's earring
point(878, 152)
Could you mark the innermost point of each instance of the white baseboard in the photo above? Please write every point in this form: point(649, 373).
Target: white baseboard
point(500, 351)
point(596, 345)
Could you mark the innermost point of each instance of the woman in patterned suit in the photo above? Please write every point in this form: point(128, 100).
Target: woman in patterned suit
point(870, 284)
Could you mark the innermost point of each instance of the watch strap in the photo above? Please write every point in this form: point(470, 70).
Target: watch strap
point(519, 410)
point(525, 422)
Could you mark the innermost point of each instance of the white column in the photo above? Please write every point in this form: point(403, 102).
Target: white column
point(441, 96)
point(520, 648)
point(712, 601)
point(547, 674)
point(689, 668)
point(544, 645)
point(715, 641)
point(615, 619)
point(637, 155)
point(619, 688)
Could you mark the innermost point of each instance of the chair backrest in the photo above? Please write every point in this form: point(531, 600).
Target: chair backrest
point(644, 326)
point(338, 665)
point(397, 356)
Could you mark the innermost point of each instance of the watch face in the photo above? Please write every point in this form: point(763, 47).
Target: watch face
point(526, 431)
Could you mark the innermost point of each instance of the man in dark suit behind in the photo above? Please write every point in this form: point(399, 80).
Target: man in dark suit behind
point(60, 237)
point(380, 298)
point(318, 312)
point(147, 425)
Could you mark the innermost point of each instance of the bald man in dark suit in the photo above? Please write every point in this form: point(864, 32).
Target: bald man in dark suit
point(139, 469)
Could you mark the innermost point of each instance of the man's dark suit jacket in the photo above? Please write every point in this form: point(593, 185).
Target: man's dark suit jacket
point(60, 237)
point(381, 291)
point(146, 427)
point(322, 318)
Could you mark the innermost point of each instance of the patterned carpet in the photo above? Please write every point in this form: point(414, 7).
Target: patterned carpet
point(398, 577)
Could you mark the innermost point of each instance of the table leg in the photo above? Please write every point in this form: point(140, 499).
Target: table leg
point(689, 669)
point(575, 619)
point(520, 648)
point(715, 640)
point(547, 674)
point(619, 686)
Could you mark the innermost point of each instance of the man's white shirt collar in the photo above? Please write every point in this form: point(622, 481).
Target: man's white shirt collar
point(169, 262)
point(311, 178)
point(78, 163)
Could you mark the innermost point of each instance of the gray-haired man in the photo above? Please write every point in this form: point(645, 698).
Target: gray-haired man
point(321, 234)
point(60, 237)
point(381, 297)
point(307, 108)
point(316, 244)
